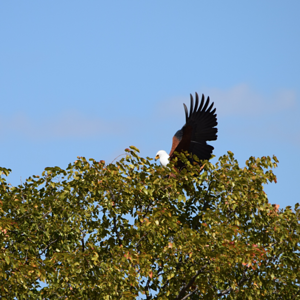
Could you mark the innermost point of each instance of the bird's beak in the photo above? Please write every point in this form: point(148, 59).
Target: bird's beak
point(156, 157)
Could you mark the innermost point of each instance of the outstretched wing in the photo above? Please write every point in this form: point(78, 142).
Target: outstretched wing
point(199, 128)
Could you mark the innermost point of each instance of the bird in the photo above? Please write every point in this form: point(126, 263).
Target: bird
point(200, 127)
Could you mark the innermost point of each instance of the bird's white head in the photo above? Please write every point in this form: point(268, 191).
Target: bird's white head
point(163, 157)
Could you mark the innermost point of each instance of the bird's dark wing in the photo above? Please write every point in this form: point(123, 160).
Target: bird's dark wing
point(199, 128)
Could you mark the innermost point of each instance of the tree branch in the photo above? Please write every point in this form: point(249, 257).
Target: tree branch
point(116, 230)
point(115, 221)
point(48, 246)
point(190, 294)
point(82, 241)
point(138, 242)
point(147, 288)
point(205, 205)
point(185, 288)
point(298, 293)
point(228, 290)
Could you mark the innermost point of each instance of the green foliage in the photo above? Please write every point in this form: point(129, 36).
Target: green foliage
point(119, 231)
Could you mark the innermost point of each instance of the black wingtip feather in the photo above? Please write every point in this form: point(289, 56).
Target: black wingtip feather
point(211, 106)
point(192, 105)
point(206, 104)
point(201, 104)
point(196, 104)
point(186, 112)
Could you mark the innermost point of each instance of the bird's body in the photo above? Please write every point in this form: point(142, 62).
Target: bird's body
point(199, 128)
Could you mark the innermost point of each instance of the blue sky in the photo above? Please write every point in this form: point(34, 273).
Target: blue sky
point(90, 78)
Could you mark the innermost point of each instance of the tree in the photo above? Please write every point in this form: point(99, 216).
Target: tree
point(131, 230)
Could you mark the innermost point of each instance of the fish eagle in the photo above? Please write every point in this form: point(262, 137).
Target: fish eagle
point(200, 126)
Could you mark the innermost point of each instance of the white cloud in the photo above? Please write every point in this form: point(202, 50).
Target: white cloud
point(271, 118)
point(66, 125)
point(275, 116)
point(240, 100)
